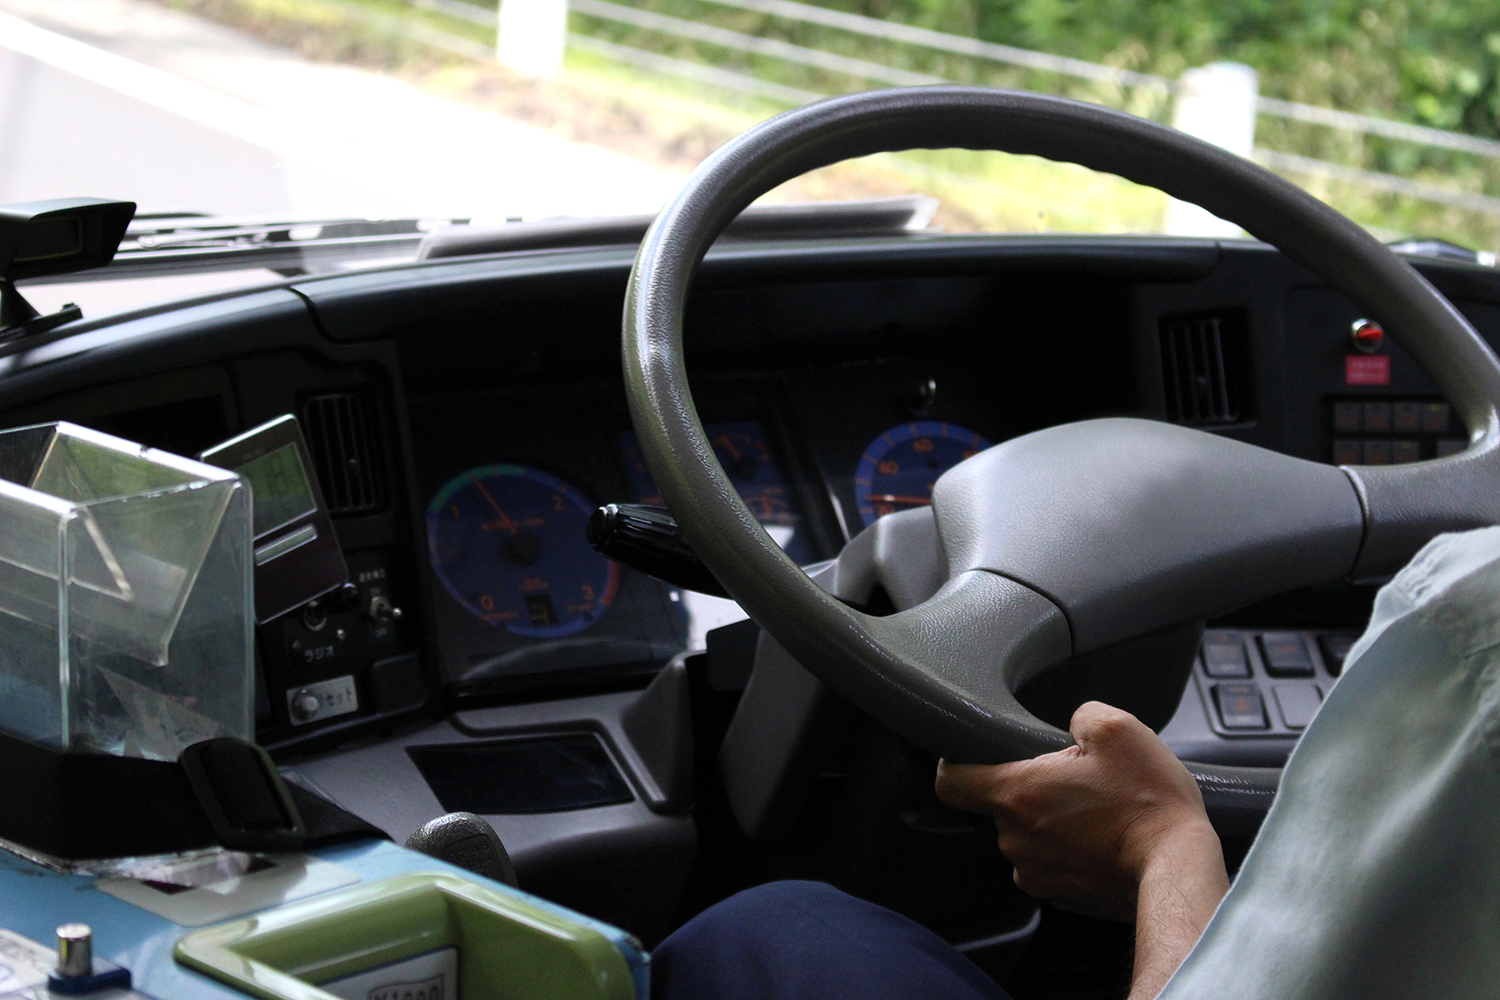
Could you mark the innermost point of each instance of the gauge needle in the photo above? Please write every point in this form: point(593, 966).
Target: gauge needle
point(734, 452)
point(894, 498)
point(504, 522)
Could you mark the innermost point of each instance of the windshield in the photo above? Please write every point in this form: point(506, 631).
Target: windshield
point(430, 113)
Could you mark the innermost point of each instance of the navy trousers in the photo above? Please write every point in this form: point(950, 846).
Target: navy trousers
point(809, 941)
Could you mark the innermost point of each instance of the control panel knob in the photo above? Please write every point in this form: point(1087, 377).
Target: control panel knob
point(304, 705)
point(75, 951)
point(382, 610)
point(1366, 335)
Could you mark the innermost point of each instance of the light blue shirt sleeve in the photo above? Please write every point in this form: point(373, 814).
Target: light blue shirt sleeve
point(1377, 872)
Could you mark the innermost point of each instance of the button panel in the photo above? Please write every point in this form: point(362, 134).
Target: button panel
point(1390, 431)
point(1267, 683)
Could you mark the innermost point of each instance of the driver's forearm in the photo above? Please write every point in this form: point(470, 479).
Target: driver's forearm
point(1180, 888)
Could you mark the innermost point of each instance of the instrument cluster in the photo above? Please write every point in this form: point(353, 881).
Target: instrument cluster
point(507, 541)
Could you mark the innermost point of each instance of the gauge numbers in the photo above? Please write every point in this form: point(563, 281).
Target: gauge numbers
point(507, 541)
point(898, 469)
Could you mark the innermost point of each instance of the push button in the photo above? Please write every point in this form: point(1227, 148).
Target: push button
point(1405, 451)
point(1406, 418)
point(1285, 655)
point(1377, 452)
point(1450, 446)
point(1348, 418)
point(1298, 704)
point(1435, 418)
point(1347, 451)
point(1224, 655)
point(1377, 418)
point(1240, 706)
point(1335, 651)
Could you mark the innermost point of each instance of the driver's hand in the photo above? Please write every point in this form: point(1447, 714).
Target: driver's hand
point(1083, 825)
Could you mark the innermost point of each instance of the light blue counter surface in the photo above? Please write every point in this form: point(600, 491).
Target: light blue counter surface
point(35, 901)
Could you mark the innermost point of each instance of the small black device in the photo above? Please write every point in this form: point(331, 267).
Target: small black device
point(54, 237)
point(297, 554)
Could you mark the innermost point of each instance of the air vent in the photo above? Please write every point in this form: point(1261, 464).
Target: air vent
point(343, 434)
point(1205, 368)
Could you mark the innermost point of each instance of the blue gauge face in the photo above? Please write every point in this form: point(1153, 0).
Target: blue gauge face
point(898, 469)
point(508, 543)
point(745, 454)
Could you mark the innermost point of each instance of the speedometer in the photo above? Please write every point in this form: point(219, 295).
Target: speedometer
point(508, 543)
point(898, 469)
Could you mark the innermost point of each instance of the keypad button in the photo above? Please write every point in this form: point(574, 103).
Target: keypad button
point(1348, 418)
point(1240, 706)
point(1435, 418)
point(1298, 703)
point(1377, 418)
point(1285, 655)
point(1377, 452)
point(1405, 451)
point(1450, 446)
point(1406, 418)
point(1348, 452)
point(1335, 650)
point(1224, 655)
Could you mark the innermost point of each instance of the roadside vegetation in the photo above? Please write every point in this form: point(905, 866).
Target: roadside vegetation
point(1433, 63)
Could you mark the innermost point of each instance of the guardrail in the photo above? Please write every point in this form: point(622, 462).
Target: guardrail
point(935, 41)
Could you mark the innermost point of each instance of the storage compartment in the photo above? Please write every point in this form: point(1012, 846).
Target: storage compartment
point(521, 776)
point(425, 936)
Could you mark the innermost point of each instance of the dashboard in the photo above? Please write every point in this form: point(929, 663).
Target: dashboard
point(465, 416)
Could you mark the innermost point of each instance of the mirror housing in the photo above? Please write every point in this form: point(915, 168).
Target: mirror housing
point(60, 236)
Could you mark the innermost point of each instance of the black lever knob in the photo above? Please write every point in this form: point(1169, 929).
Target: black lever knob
point(648, 539)
point(465, 840)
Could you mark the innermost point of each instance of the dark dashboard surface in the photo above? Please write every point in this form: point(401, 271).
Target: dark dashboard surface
point(466, 415)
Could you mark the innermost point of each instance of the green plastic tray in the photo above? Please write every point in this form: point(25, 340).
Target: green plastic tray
point(508, 948)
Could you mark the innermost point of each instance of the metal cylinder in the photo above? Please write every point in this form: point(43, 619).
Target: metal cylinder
point(75, 950)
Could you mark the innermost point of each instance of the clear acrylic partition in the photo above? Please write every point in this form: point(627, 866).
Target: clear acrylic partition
point(125, 595)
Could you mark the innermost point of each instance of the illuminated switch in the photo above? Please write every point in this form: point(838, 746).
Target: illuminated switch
point(1435, 418)
point(1377, 418)
point(1348, 418)
point(1285, 655)
point(1450, 446)
point(1377, 452)
point(1348, 452)
point(1406, 418)
point(1240, 706)
point(1405, 451)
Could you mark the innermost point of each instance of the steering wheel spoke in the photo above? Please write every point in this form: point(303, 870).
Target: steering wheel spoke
point(1078, 537)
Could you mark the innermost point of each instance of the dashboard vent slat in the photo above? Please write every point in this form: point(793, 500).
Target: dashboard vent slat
point(1205, 369)
point(343, 434)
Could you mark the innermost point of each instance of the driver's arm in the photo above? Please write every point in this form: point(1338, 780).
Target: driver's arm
point(1113, 826)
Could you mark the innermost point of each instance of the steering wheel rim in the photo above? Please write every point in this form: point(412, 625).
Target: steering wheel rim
point(944, 673)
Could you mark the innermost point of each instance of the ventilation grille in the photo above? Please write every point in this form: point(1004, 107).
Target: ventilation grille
point(343, 434)
point(1205, 368)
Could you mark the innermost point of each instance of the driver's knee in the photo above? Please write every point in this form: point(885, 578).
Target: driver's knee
point(794, 940)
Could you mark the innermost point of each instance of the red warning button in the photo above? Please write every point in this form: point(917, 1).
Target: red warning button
point(1367, 369)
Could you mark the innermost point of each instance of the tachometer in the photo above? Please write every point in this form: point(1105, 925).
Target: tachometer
point(507, 541)
point(898, 469)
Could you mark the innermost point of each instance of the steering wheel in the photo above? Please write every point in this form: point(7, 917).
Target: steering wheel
point(1082, 536)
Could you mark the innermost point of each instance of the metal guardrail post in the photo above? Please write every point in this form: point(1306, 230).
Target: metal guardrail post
point(1216, 103)
point(533, 36)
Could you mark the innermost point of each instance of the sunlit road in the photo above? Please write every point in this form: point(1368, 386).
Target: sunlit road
point(125, 99)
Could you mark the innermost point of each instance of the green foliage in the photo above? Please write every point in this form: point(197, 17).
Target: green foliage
point(1435, 62)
